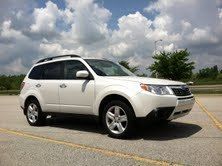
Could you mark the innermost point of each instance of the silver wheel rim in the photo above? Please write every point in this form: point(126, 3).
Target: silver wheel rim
point(32, 113)
point(116, 120)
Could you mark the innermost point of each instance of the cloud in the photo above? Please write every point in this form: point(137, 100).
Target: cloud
point(220, 13)
point(29, 32)
point(56, 49)
point(90, 21)
point(200, 36)
point(8, 33)
point(45, 19)
point(15, 67)
point(195, 23)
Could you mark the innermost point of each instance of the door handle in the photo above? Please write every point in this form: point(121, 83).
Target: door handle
point(63, 86)
point(38, 85)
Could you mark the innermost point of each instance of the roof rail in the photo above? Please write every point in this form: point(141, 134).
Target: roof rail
point(55, 57)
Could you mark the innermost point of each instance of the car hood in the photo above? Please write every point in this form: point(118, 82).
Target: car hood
point(146, 80)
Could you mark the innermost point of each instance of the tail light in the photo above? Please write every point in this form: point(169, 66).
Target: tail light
point(22, 85)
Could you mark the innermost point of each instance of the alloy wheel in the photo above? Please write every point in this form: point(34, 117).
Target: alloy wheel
point(32, 113)
point(116, 120)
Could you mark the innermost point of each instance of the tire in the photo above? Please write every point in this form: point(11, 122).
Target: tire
point(163, 121)
point(34, 114)
point(118, 119)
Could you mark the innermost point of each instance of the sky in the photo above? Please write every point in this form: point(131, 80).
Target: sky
point(116, 30)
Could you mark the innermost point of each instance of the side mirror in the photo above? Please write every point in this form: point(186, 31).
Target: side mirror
point(190, 83)
point(82, 74)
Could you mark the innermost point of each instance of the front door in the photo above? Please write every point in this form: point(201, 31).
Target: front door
point(76, 95)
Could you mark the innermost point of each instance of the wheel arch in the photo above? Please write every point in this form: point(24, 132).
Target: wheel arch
point(29, 98)
point(109, 98)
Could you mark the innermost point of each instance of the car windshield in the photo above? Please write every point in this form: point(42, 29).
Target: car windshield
point(108, 68)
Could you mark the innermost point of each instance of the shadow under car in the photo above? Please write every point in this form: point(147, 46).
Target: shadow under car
point(145, 130)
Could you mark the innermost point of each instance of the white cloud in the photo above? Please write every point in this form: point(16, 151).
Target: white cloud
point(131, 36)
point(8, 33)
point(90, 23)
point(220, 13)
point(15, 67)
point(45, 18)
point(185, 25)
point(119, 49)
point(202, 36)
point(169, 47)
point(194, 23)
point(52, 49)
point(82, 28)
point(161, 22)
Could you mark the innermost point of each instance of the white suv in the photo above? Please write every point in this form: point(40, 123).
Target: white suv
point(99, 87)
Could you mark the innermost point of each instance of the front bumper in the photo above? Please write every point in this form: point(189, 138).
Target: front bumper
point(183, 107)
point(165, 106)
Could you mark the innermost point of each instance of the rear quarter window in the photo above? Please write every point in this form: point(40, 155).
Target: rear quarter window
point(36, 72)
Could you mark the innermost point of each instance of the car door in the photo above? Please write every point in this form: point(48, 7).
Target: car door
point(49, 86)
point(76, 95)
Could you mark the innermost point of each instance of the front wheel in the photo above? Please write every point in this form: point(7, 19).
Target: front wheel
point(34, 114)
point(118, 119)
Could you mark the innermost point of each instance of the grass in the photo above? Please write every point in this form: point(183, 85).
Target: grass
point(208, 82)
point(9, 92)
point(206, 91)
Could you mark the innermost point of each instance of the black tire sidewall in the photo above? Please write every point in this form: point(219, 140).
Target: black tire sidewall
point(130, 117)
point(40, 118)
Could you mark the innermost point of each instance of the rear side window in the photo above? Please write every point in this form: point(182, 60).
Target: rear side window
point(71, 67)
point(36, 72)
point(52, 71)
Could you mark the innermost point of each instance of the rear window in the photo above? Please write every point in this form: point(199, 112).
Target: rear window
point(36, 73)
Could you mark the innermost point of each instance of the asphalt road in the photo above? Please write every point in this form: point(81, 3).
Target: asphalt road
point(192, 140)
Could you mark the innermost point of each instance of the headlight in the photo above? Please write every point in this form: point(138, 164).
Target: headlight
point(157, 89)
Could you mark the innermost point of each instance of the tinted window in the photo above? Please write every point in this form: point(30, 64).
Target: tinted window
point(108, 68)
point(52, 71)
point(71, 67)
point(36, 73)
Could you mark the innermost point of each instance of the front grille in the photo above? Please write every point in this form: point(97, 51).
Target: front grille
point(181, 91)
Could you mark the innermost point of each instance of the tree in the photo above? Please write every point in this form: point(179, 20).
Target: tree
point(209, 72)
point(5, 82)
point(172, 65)
point(11, 82)
point(142, 75)
point(127, 65)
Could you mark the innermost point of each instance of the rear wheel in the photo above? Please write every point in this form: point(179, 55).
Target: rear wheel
point(118, 119)
point(34, 114)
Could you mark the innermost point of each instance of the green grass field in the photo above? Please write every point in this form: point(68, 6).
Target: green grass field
point(9, 92)
point(206, 91)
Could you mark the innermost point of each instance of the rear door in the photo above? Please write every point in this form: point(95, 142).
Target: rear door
point(76, 95)
point(49, 85)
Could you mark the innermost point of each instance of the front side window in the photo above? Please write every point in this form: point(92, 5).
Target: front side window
point(71, 67)
point(108, 68)
point(52, 71)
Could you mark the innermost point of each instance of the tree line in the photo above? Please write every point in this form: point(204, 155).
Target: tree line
point(11, 82)
point(175, 65)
